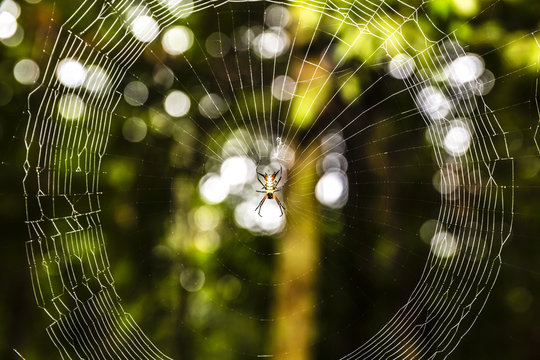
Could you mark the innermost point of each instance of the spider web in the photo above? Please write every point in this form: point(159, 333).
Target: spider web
point(69, 128)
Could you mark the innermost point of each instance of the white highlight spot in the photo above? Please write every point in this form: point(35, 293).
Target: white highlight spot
point(11, 7)
point(465, 69)
point(427, 230)
point(445, 181)
point(134, 129)
point(26, 71)
point(443, 244)
point(234, 146)
point(136, 93)
point(401, 66)
point(332, 189)
point(71, 106)
point(243, 37)
point(192, 279)
point(334, 161)
point(164, 77)
point(71, 73)
point(333, 142)
point(433, 102)
point(96, 79)
point(212, 106)
point(270, 222)
point(277, 16)
point(218, 45)
point(15, 39)
point(177, 103)
point(243, 217)
point(206, 218)
point(177, 40)
point(457, 140)
point(207, 241)
point(8, 25)
point(144, 28)
point(485, 83)
point(237, 171)
point(270, 44)
point(283, 88)
point(213, 189)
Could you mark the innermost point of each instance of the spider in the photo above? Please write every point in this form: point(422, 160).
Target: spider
point(270, 187)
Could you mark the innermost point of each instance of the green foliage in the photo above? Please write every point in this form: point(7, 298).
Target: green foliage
point(157, 226)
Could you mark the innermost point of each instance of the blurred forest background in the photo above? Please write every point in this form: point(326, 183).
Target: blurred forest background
point(203, 284)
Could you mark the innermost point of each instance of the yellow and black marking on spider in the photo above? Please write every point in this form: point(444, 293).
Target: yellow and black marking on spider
point(270, 187)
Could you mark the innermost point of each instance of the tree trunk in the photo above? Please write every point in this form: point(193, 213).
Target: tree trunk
point(294, 329)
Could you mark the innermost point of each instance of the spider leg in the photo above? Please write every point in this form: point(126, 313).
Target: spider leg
point(260, 181)
point(281, 176)
point(281, 207)
point(260, 205)
point(277, 172)
point(264, 192)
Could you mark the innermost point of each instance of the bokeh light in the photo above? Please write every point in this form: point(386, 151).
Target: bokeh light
point(177, 103)
point(457, 140)
point(443, 245)
point(212, 106)
point(427, 230)
point(433, 103)
point(71, 73)
point(8, 25)
point(26, 71)
point(334, 161)
point(136, 93)
point(97, 79)
point(16, 39)
point(71, 106)
point(332, 189)
point(401, 66)
point(237, 171)
point(213, 189)
point(270, 43)
point(11, 7)
point(134, 129)
point(144, 28)
point(333, 142)
point(445, 181)
point(465, 69)
point(283, 88)
point(485, 83)
point(206, 218)
point(207, 241)
point(269, 222)
point(177, 40)
point(217, 44)
point(163, 76)
point(277, 16)
point(192, 279)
